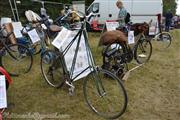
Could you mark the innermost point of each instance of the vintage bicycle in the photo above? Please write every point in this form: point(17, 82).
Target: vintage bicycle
point(162, 38)
point(106, 96)
point(116, 55)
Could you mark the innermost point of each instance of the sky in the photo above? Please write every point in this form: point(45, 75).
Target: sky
point(178, 8)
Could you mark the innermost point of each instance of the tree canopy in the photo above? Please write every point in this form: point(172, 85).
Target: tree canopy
point(170, 5)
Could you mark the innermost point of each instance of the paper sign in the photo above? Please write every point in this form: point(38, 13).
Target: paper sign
point(154, 29)
point(63, 34)
point(3, 97)
point(5, 20)
point(18, 34)
point(17, 27)
point(111, 26)
point(131, 39)
point(62, 41)
point(34, 36)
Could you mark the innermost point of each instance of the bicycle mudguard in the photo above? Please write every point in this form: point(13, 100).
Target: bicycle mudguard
point(7, 76)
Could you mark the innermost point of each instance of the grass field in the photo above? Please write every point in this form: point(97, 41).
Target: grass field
point(153, 90)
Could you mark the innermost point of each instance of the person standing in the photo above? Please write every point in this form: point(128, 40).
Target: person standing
point(168, 21)
point(122, 14)
point(175, 19)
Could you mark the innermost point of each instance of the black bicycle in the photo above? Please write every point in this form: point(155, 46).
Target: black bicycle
point(15, 58)
point(117, 55)
point(106, 96)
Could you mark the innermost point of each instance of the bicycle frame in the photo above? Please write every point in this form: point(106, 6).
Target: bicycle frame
point(91, 62)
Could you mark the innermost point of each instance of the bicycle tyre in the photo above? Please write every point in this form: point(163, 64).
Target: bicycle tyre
point(51, 69)
point(140, 46)
point(88, 85)
point(165, 38)
point(22, 61)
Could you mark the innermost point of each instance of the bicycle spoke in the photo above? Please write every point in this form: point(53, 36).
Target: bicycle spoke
point(111, 102)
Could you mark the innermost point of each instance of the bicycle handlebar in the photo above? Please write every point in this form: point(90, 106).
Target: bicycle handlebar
point(83, 16)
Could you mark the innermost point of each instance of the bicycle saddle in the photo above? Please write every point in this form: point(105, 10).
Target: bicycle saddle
point(111, 37)
point(55, 28)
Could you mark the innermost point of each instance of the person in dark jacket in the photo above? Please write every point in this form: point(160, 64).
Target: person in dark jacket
point(168, 17)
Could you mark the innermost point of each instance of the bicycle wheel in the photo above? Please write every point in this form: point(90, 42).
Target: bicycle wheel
point(142, 50)
point(52, 69)
point(164, 40)
point(106, 96)
point(17, 60)
point(114, 61)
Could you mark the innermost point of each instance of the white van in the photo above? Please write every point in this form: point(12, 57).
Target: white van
point(140, 10)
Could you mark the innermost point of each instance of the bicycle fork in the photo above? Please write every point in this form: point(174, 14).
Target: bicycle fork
point(71, 87)
point(70, 84)
point(100, 88)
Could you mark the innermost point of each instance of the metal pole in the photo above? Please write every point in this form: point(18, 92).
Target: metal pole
point(12, 10)
point(17, 15)
point(42, 4)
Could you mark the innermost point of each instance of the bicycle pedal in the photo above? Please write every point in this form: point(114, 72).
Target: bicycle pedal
point(71, 88)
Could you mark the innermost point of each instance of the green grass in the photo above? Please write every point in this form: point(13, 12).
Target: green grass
point(153, 90)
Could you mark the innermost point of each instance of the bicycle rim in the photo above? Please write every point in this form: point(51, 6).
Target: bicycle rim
point(164, 40)
point(143, 51)
point(18, 60)
point(111, 103)
point(52, 69)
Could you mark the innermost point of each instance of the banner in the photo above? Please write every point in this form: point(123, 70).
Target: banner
point(62, 41)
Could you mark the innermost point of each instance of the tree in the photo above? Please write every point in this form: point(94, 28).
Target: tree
point(170, 5)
